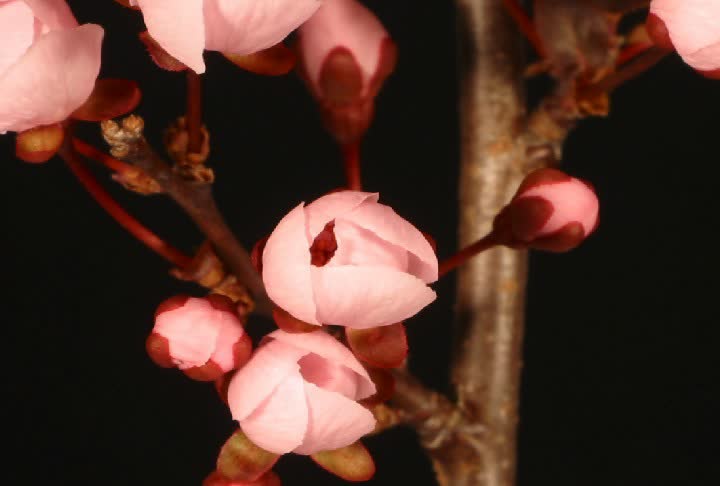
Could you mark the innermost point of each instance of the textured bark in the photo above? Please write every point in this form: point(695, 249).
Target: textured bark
point(490, 300)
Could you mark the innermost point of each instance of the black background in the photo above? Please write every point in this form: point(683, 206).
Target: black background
point(620, 384)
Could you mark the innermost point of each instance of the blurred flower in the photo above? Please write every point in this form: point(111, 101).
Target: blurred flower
point(299, 392)
point(48, 64)
point(347, 260)
point(692, 27)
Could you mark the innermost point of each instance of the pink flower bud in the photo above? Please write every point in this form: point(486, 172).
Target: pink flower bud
point(202, 337)
point(550, 211)
point(692, 27)
point(345, 56)
point(299, 392)
point(48, 64)
point(347, 260)
point(186, 28)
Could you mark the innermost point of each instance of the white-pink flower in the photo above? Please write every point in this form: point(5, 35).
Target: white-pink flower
point(185, 28)
point(551, 211)
point(299, 392)
point(348, 28)
point(693, 27)
point(48, 63)
point(347, 260)
point(202, 336)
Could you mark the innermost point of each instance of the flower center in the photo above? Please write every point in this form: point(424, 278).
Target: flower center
point(324, 246)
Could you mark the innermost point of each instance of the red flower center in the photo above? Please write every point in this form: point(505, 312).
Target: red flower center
point(324, 246)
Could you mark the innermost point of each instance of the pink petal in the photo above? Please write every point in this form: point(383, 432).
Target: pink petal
point(231, 330)
point(255, 381)
point(54, 14)
point(328, 375)
point(191, 331)
point(247, 26)
point(572, 200)
point(286, 267)
point(694, 28)
point(331, 206)
point(326, 346)
point(54, 77)
point(279, 424)
point(17, 23)
point(388, 225)
point(342, 23)
point(178, 27)
point(334, 421)
point(363, 297)
point(358, 246)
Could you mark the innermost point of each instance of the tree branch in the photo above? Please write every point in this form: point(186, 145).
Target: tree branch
point(490, 301)
point(194, 197)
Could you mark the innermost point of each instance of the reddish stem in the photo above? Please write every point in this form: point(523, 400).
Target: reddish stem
point(525, 24)
point(630, 70)
point(111, 163)
point(132, 225)
point(631, 51)
point(462, 256)
point(193, 117)
point(351, 157)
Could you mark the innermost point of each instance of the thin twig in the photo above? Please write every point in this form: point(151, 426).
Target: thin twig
point(466, 254)
point(193, 115)
point(194, 197)
point(123, 218)
point(351, 160)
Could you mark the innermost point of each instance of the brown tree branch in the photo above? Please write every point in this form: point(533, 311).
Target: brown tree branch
point(195, 197)
point(490, 300)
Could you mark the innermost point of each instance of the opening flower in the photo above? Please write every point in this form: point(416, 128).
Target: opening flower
point(347, 260)
point(299, 392)
point(48, 63)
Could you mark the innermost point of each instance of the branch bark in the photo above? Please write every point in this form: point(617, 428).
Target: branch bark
point(194, 197)
point(491, 288)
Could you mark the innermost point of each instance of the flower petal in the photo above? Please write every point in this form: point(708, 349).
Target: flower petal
point(178, 27)
point(247, 26)
point(694, 28)
point(17, 23)
point(572, 200)
point(345, 23)
point(286, 267)
point(363, 297)
point(255, 381)
point(328, 347)
point(329, 376)
point(54, 14)
point(53, 78)
point(230, 332)
point(279, 424)
point(331, 206)
point(334, 421)
point(358, 246)
point(388, 225)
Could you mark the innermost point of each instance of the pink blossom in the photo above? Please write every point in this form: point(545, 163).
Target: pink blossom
point(48, 63)
point(197, 332)
point(693, 27)
point(186, 28)
point(551, 211)
point(299, 392)
point(345, 56)
point(347, 260)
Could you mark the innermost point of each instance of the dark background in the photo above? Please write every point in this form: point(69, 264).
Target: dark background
point(620, 384)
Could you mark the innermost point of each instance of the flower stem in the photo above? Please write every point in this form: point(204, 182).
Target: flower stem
point(193, 116)
point(87, 150)
point(462, 256)
point(105, 200)
point(351, 158)
point(525, 24)
point(630, 70)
